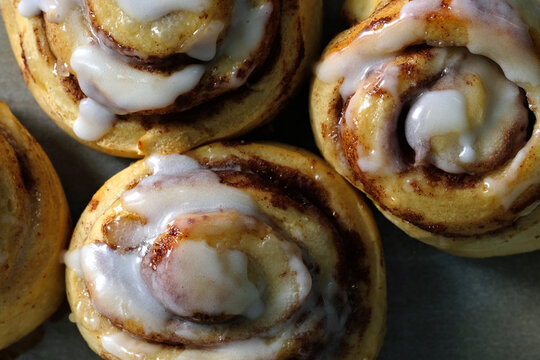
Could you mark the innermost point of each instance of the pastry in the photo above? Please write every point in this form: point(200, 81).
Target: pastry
point(133, 78)
point(232, 251)
point(34, 226)
point(438, 123)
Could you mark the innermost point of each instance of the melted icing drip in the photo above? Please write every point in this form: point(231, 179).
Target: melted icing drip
point(501, 185)
point(126, 346)
point(520, 65)
point(371, 48)
point(199, 280)
point(124, 89)
point(247, 28)
point(144, 10)
point(466, 116)
point(113, 85)
point(94, 120)
point(436, 113)
point(205, 48)
point(55, 10)
point(245, 33)
point(118, 287)
point(161, 197)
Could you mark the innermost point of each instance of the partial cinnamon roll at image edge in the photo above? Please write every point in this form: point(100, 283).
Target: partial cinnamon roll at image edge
point(252, 201)
point(464, 177)
point(231, 97)
point(34, 227)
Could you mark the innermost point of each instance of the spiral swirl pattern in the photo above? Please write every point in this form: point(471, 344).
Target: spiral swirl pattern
point(437, 123)
point(32, 235)
point(235, 251)
point(132, 77)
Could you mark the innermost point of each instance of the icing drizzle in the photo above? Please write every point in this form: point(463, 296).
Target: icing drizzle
point(114, 87)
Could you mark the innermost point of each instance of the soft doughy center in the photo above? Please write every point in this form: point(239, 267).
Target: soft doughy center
point(470, 120)
point(175, 32)
point(193, 279)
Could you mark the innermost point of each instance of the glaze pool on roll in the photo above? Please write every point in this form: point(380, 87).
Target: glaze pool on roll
point(129, 78)
point(420, 108)
point(233, 251)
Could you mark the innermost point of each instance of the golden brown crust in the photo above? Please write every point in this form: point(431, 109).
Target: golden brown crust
point(281, 62)
point(454, 211)
point(289, 185)
point(355, 11)
point(34, 228)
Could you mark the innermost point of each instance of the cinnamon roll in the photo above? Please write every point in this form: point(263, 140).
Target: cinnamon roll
point(34, 226)
point(431, 108)
point(232, 251)
point(132, 78)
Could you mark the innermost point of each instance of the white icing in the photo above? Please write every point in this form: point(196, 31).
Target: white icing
point(442, 112)
point(372, 161)
point(119, 290)
point(126, 347)
point(238, 350)
point(171, 164)
point(303, 277)
point(205, 47)
point(516, 57)
point(467, 154)
point(72, 259)
point(370, 51)
point(162, 197)
point(207, 282)
point(381, 155)
point(55, 10)
point(110, 81)
point(519, 63)
point(417, 8)
point(502, 185)
point(244, 35)
point(437, 113)
point(94, 120)
point(144, 10)
point(246, 29)
point(115, 87)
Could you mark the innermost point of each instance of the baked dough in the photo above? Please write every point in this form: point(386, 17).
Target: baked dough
point(34, 226)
